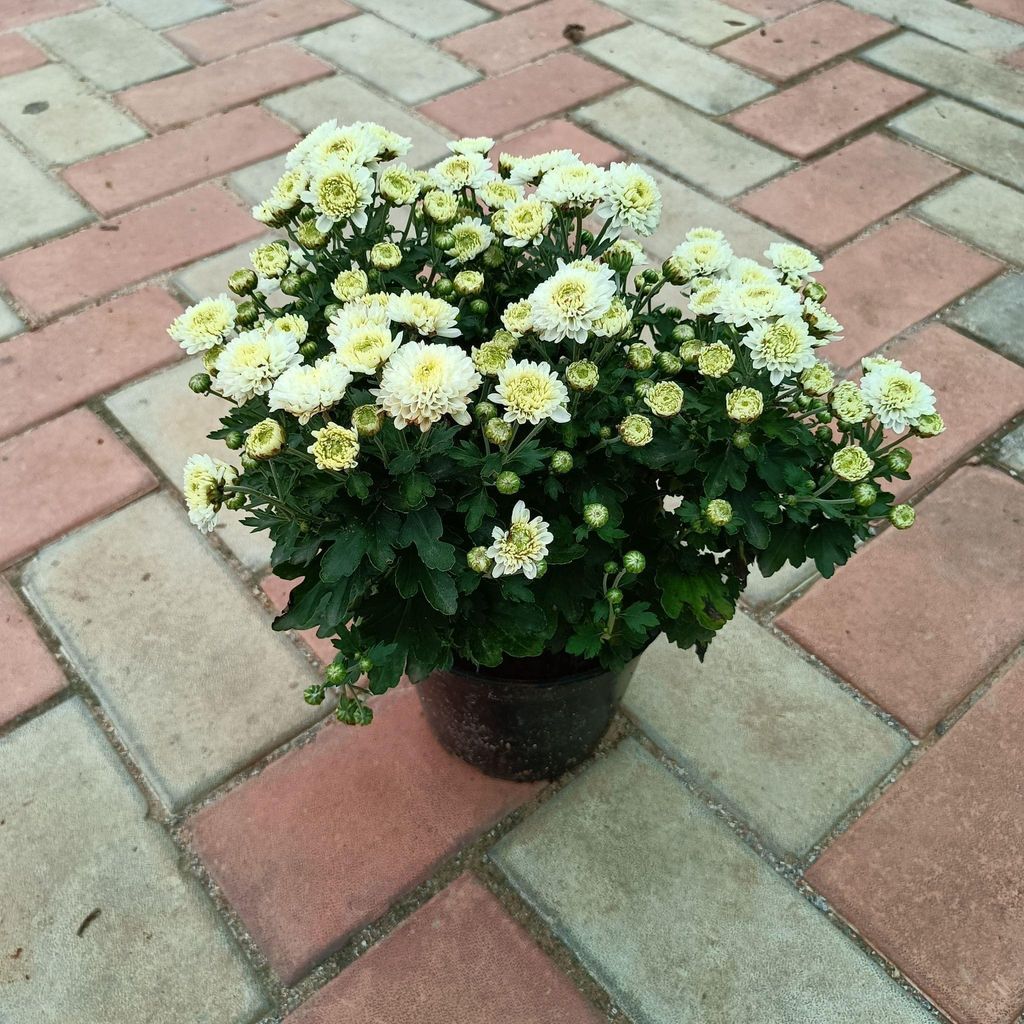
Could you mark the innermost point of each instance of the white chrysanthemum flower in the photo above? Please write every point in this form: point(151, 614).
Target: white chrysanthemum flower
point(251, 363)
point(522, 547)
point(703, 234)
point(747, 271)
point(348, 144)
point(470, 237)
point(463, 170)
point(524, 222)
point(363, 312)
point(288, 189)
point(784, 347)
point(898, 397)
point(481, 144)
point(792, 260)
point(530, 392)
point(339, 192)
point(633, 200)
point(573, 185)
point(335, 448)
point(500, 194)
point(529, 170)
point(821, 321)
point(422, 383)
point(706, 295)
point(567, 305)
point(350, 284)
point(268, 212)
point(614, 322)
point(400, 185)
point(204, 325)
point(389, 144)
point(427, 315)
point(518, 318)
point(365, 349)
point(742, 304)
point(304, 390)
point(270, 261)
point(203, 483)
point(701, 257)
point(291, 325)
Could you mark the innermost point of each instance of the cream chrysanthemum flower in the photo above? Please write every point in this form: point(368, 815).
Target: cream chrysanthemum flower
point(530, 392)
point(716, 359)
point(574, 185)
point(470, 237)
point(251, 363)
point(350, 284)
point(491, 356)
point(265, 439)
point(821, 322)
point(852, 463)
point(500, 194)
point(633, 199)
point(701, 256)
point(291, 325)
point(428, 316)
point(463, 170)
point(664, 399)
point(744, 405)
point(270, 261)
point(705, 296)
point(422, 383)
point(784, 347)
point(615, 321)
point(481, 144)
point(389, 144)
point(529, 170)
point(335, 448)
point(818, 380)
point(794, 261)
point(567, 305)
point(742, 304)
point(350, 144)
point(339, 192)
point(440, 206)
point(747, 271)
point(523, 222)
point(204, 480)
point(204, 325)
point(522, 547)
point(518, 318)
point(288, 189)
point(898, 397)
point(363, 312)
point(366, 349)
point(848, 403)
point(305, 390)
point(399, 185)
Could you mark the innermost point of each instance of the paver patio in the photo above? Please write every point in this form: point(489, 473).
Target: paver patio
point(823, 823)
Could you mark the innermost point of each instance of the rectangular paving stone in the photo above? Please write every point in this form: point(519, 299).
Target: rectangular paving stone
point(16, 13)
point(1010, 450)
point(941, 603)
point(29, 674)
point(253, 183)
point(678, 919)
point(1008, 9)
point(688, 73)
point(688, 145)
point(70, 271)
point(195, 699)
point(210, 276)
point(825, 108)
point(86, 354)
point(36, 206)
point(161, 14)
point(169, 163)
point(266, 842)
point(188, 96)
point(502, 974)
point(993, 314)
point(59, 118)
point(60, 475)
point(970, 78)
point(966, 136)
point(765, 730)
point(109, 49)
point(916, 270)
point(446, 16)
point(9, 322)
point(98, 917)
point(857, 185)
point(981, 211)
point(277, 591)
point(414, 70)
point(559, 134)
point(18, 54)
point(704, 22)
point(930, 874)
point(956, 24)
point(762, 591)
point(770, 9)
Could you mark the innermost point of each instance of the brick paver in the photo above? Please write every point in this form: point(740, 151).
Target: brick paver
point(559, 134)
point(29, 674)
point(446, 16)
point(956, 24)
point(277, 591)
point(17, 13)
point(18, 54)
point(704, 22)
point(983, 211)
point(993, 314)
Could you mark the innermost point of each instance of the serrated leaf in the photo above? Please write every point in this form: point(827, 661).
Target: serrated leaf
point(423, 528)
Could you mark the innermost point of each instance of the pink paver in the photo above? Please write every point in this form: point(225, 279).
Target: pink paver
point(88, 353)
point(28, 673)
point(59, 476)
point(329, 836)
point(169, 163)
point(499, 106)
point(917, 620)
point(823, 109)
point(507, 43)
point(256, 24)
point(559, 134)
point(15, 13)
point(277, 590)
point(492, 970)
point(98, 260)
point(931, 874)
point(18, 54)
point(829, 201)
point(883, 283)
point(1009, 9)
point(190, 95)
point(805, 40)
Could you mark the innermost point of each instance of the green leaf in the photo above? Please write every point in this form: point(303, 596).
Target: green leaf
point(304, 604)
point(724, 469)
point(586, 641)
point(440, 590)
point(424, 528)
point(830, 544)
point(638, 617)
point(382, 539)
point(477, 506)
point(701, 591)
point(342, 558)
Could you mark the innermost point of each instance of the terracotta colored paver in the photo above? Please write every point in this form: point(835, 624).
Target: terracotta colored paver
point(883, 283)
point(18, 54)
point(931, 874)
point(16, 13)
point(277, 590)
point(59, 476)
point(823, 109)
point(98, 260)
point(559, 134)
point(498, 106)
point(829, 201)
point(804, 40)
point(255, 25)
point(507, 43)
point(28, 672)
point(87, 354)
point(916, 621)
point(172, 162)
point(458, 958)
point(169, 102)
point(330, 835)
point(1009, 9)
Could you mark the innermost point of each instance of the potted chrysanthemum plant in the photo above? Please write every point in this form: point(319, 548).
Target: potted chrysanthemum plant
point(497, 460)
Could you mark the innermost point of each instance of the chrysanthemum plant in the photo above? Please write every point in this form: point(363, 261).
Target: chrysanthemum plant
point(477, 432)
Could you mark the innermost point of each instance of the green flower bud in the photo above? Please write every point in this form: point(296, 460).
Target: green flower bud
point(200, 383)
point(929, 425)
point(595, 515)
point(542, 568)
point(508, 482)
point(582, 375)
point(485, 411)
point(235, 502)
point(817, 380)
point(469, 282)
point(823, 433)
point(741, 439)
point(314, 694)
point(899, 460)
point(291, 283)
point(864, 494)
point(309, 236)
point(309, 349)
point(814, 290)
point(619, 259)
point(636, 430)
point(639, 357)
point(718, 512)
point(444, 239)
point(823, 416)
point(210, 357)
point(498, 432)
point(614, 597)
point(478, 560)
point(804, 401)
point(744, 405)
point(716, 359)
point(335, 674)
point(479, 307)
point(443, 288)
point(234, 440)
point(493, 257)
point(586, 237)
point(385, 256)
point(611, 568)
point(242, 282)
point(651, 277)
point(674, 270)
point(366, 420)
point(634, 562)
point(365, 664)
point(605, 433)
point(689, 351)
point(331, 310)
point(852, 463)
point(682, 333)
point(307, 213)
point(561, 462)
point(248, 462)
point(902, 516)
point(265, 440)
point(673, 311)
point(668, 363)
point(247, 313)
point(642, 387)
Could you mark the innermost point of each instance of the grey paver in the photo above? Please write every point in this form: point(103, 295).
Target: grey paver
point(683, 142)
point(348, 100)
point(253, 183)
point(966, 136)
point(979, 82)
point(163, 14)
point(981, 211)
point(10, 322)
point(99, 924)
point(414, 70)
point(58, 117)
point(446, 16)
point(171, 423)
point(995, 314)
point(180, 654)
point(768, 732)
point(705, 22)
point(699, 78)
point(1010, 450)
point(109, 49)
point(678, 919)
point(35, 206)
point(762, 591)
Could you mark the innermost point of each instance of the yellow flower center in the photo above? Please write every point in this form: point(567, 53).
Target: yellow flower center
point(520, 542)
point(638, 196)
point(250, 353)
point(338, 195)
point(781, 342)
point(898, 393)
point(210, 320)
point(429, 373)
point(528, 393)
point(570, 296)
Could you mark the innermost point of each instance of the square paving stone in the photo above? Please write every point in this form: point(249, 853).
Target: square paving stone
point(181, 656)
point(982, 211)
point(931, 874)
point(763, 728)
point(99, 924)
point(329, 836)
point(29, 674)
point(680, 921)
point(956, 24)
point(993, 313)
